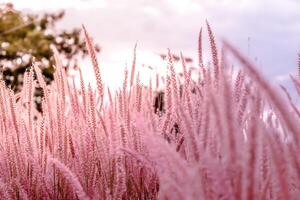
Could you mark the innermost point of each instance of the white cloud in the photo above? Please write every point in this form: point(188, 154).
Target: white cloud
point(282, 77)
point(37, 5)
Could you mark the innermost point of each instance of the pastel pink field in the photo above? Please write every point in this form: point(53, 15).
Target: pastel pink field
point(223, 136)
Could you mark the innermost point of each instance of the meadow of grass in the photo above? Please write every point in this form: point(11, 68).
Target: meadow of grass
point(222, 136)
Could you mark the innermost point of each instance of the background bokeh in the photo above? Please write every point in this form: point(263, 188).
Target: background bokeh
point(267, 31)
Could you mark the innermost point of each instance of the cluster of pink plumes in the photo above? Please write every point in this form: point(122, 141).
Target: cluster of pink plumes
point(223, 136)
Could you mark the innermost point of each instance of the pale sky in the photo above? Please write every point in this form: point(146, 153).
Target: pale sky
point(273, 27)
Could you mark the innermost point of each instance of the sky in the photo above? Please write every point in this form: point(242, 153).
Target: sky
point(267, 31)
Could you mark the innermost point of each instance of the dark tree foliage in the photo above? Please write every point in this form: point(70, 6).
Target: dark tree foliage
point(25, 38)
point(159, 103)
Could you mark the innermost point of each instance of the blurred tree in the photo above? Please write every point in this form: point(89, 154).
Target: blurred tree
point(176, 58)
point(27, 37)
